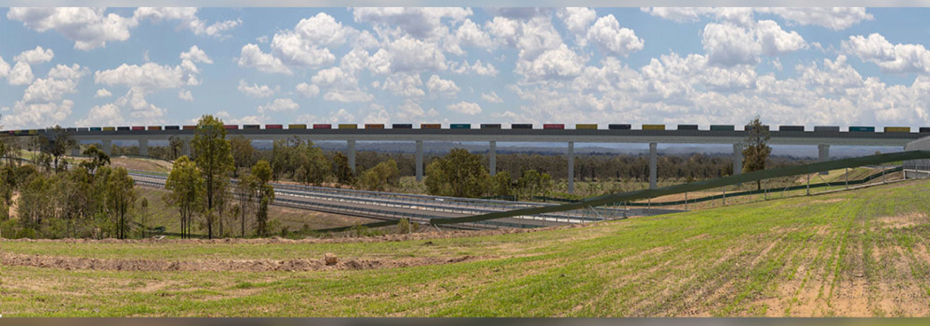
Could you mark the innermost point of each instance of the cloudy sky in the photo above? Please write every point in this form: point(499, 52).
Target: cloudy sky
point(156, 66)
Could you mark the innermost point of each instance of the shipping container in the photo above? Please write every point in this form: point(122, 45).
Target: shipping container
point(251, 127)
point(460, 126)
point(619, 126)
point(430, 126)
point(297, 126)
point(138, 128)
point(322, 126)
point(687, 127)
point(722, 128)
point(83, 129)
point(521, 126)
point(109, 128)
point(653, 127)
point(897, 129)
point(96, 129)
point(172, 128)
point(274, 126)
point(827, 128)
point(348, 126)
point(861, 129)
point(586, 126)
point(790, 128)
point(122, 128)
point(33, 131)
point(748, 128)
point(924, 129)
point(189, 127)
point(402, 126)
point(231, 127)
point(374, 126)
point(553, 126)
point(490, 126)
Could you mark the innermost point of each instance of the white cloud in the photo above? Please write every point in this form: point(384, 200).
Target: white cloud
point(678, 14)
point(262, 39)
point(323, 29)
point(411, 111)
point(439, 86)
point(421, 23)
point(253, 57)
point(491, 97)
point(347, 96)
point(185, 95)
point(577, 20)
point(35, 56)
point(728, 44)
point(103, 92)
point(296, 51)
point(561, 63)
point(412, 55)
point(607, 35)
point(342, 116)
point(195, 54)
point(187, 17)
point(279, 105)
point(89, 28)
point(775, 40)
point(404, 85)
point(891, 58)
point(4, 68)
point(42, 103)
point(308, 90)
point(465, 108)
point(478, 68)
point(61, 80)
point(255, 90)
point(149, 76)
point(21, 74)
point(102, 115)
point(835, 18)
point(468, 34)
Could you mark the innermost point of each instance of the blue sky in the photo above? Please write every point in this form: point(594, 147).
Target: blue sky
point(156, 66)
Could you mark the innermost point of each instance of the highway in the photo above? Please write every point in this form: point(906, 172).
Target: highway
point(420, 208)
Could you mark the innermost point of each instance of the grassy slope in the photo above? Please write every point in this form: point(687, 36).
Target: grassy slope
point(848, 254)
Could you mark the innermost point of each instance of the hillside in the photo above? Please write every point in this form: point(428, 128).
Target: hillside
point(857, 253)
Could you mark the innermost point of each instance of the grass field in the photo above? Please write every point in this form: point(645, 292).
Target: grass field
point(858, 253)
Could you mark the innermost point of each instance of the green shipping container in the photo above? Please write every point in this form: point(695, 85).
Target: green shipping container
point(722, 127)
point(861, 129)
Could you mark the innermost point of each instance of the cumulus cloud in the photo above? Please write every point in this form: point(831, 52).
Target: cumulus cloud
point(195, 54)
point(186, 95)
point(465, 108)
point(441, 87)
point(486, 69)
point(103, 92)
point(404, 85)
point(253, 57)
point(89, 28)
point(577, 19)
point(279, 105)
point(491, 97)
point(610, 37)
point(560, 63)
point(187, 19)
point(835, 18)
point(308, 90)
point(35, 56)
point(21, 74)
point(255, 90)
point(891, 58)
point(43, 103)
point(728, 44)
point(4, 68)
point(421, 23)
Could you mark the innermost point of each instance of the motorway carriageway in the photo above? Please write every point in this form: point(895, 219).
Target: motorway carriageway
point(419, 208)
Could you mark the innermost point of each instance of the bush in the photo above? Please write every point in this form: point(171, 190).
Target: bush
point(405, 226)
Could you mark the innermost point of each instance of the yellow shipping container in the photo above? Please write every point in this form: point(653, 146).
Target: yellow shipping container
point(586, 126)
point(897, 129)
point(374, 126)
point(348, 126)
point(296, 126)
point(109, 128)
point(653, 127)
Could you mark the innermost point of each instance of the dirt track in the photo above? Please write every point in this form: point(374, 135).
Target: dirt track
point(251, 265)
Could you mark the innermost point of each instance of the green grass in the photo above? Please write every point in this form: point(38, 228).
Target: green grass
point(851, 253)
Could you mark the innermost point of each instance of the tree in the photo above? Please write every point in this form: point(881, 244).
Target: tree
point(97, 158)
point(243, 153)
point(144, 215)
point(214, 159)
point(186, 188)
point(533, 183)
point(342, 169)
point(458, 174)
point(246, 189)
point(312, 166)
point(380, 176)
point(756, 149)
point(121, 198)
point(59, 143)
point(175, 146)
point(501, 184)
point(262, 173)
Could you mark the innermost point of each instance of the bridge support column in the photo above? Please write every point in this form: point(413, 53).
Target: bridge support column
point(571, 167)
point(419, 160)
point(824, 152)
point(76, 151)
point(652, 165)
point(143, 147)
point(492, 158)
point(107, 146)
point(737, 159)
point(351, 155)
point(186, 147)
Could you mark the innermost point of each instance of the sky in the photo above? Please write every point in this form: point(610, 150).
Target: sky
point(674, 65)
